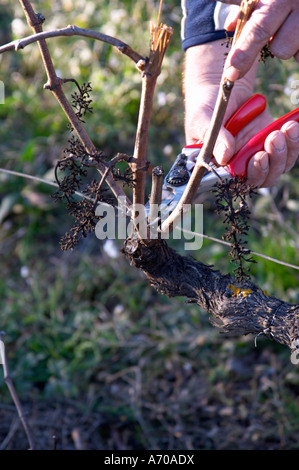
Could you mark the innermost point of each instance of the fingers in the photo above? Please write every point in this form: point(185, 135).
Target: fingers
point(281, 45)
point(232, 18)
point(222, 151)
point(258, 169)
point(225, 145)
point(276, 147)
point(271, 20)
point(196, 130)
point(280, 155)
point(224, 148)
point(291, 132)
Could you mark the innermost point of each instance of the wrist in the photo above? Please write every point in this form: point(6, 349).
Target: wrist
point(204, 64)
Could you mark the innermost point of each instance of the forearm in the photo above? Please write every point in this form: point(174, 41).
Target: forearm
point(204, 64)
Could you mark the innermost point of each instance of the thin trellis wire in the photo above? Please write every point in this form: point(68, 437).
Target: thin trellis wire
point(216, 240)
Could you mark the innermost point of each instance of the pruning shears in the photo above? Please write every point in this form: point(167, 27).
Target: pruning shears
point(177, 178)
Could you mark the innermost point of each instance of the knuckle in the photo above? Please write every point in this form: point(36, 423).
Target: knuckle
point(292, 146)
point(259, 32)
point(281, 51)
point(241, 59)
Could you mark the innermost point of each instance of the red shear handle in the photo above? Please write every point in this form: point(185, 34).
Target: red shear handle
point(246, 113)
point(252, 108)
point(238, 164)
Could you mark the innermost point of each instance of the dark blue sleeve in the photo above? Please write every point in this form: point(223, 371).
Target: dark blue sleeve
point(199, 22)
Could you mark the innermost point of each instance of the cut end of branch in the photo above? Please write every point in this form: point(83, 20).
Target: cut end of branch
point(160, 37)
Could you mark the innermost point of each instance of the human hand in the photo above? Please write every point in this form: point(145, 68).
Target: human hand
point(273, 22)
point(201, 88)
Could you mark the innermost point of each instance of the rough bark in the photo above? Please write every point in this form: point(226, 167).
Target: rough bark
point(236, 309)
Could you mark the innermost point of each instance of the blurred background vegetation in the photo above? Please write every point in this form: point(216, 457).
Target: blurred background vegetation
point(94, 351)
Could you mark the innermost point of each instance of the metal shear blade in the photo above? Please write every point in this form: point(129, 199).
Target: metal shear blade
point(178, 177)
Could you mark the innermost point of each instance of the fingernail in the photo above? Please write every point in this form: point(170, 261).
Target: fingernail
point(293, 131)
point(279, 142)
point(264, 161)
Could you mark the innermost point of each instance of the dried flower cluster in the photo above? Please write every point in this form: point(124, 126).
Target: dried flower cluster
point(82, 209)
point(81, 101)
point(265, 54)
point(231, 200)
point(75, 167)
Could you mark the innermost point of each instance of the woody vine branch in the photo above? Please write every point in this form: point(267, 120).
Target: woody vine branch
point(239, 308)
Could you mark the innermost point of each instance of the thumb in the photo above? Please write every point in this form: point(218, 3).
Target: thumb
point(225, 147)
point(232, 18)
point(196, 131)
